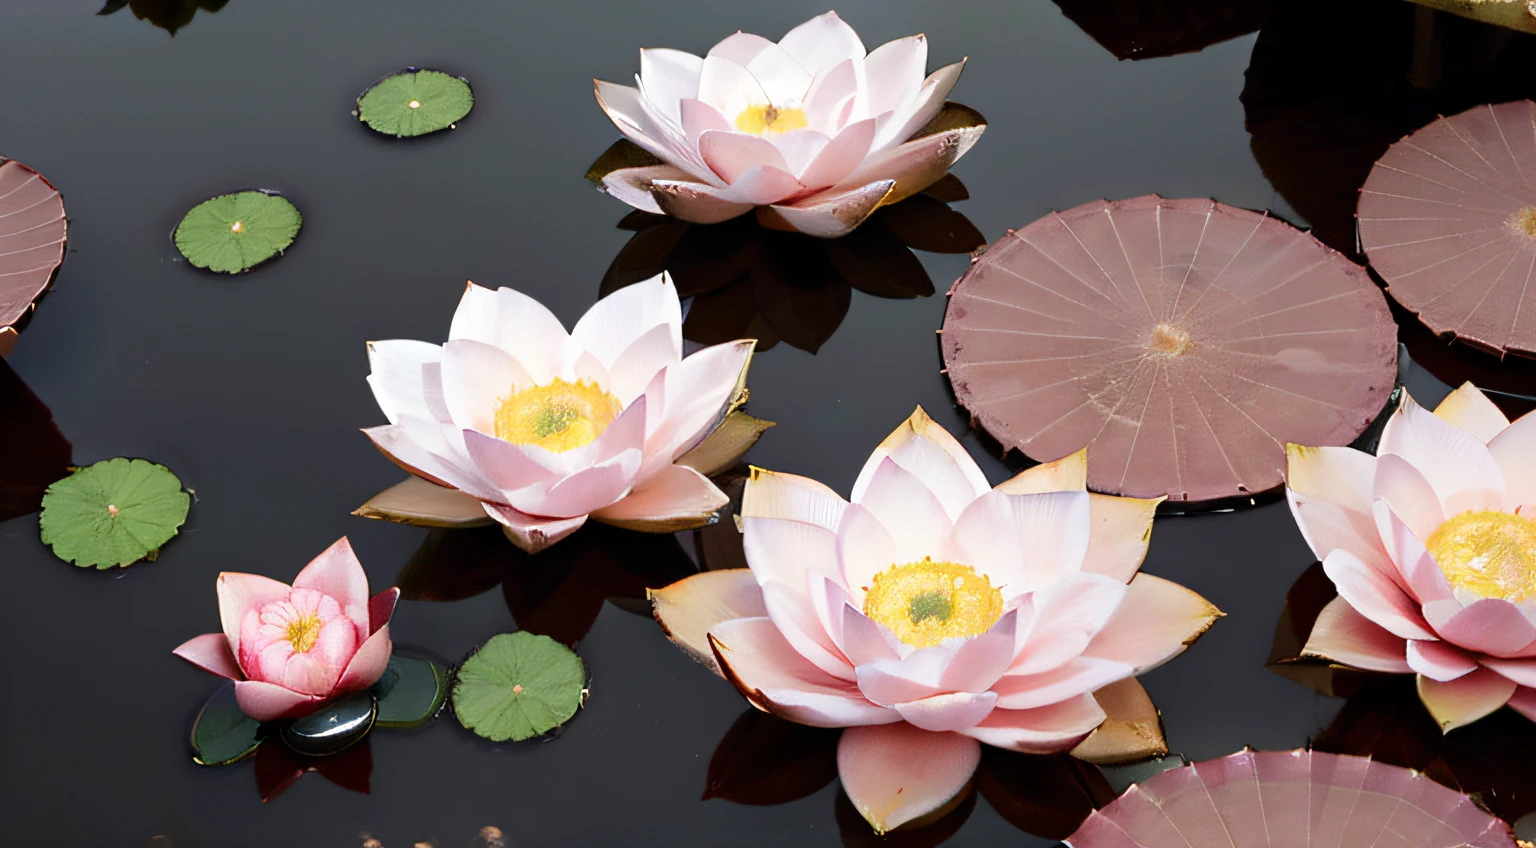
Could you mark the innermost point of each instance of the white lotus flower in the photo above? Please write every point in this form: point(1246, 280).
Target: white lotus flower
point(812, 129)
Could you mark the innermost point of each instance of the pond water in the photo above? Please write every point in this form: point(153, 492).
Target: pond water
point(252, 388)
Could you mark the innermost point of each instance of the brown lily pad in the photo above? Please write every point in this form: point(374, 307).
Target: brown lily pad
point(1183, 342)
point(32, 236)
point(1146, 29)
point(1448, 218)
point(33, 453)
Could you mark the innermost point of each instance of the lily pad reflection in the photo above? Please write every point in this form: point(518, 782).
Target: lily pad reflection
point(169, 15)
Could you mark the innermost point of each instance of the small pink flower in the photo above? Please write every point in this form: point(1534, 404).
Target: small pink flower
point(934, 614)
point(1432, 545)
point(812, 130)
point(291, 648)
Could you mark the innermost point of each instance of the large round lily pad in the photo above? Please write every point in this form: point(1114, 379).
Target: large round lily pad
point(236, 232)
point(518, 686)
point(115, 512)
point(1448, 218)
point(1183, 342)
point(32, 235)
point(415, 102)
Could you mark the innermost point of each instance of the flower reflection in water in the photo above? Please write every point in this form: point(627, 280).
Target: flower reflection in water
point(169, 15)
point(560, 593)
point(279, 767)
point(1147, 29)
point(33, 453)
point(747, 281)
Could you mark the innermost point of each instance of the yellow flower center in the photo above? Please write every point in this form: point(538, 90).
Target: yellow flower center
point(559, 416)
point(925, 603)
point(1526, 220)
point(1491, 554)
point(303, 632)
point(765, 119)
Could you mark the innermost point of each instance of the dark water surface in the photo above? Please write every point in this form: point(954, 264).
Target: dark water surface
point(252, 388)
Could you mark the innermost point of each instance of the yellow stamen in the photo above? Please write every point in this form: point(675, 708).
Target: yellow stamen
point(1168, 340)
point(303, 633)
point(1491, 554)
point(559, 416)
point(764, 119)
point(925, 603)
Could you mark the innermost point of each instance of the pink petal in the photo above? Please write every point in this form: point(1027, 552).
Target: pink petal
point(477, 377)
point(918, 163)
point(1077, 677)
point(833, 90)
point(634, 185)
point(1471, 410)
point(1452, 459)
point(1439, 661)
point(840, 157)
point(1044, 730)
point(210, 652)
point(532, 533)
point(687, 401)
point(676, 498)
point(699, 117)
point(637, 119)
point(583, 492)
point(335, 645)
point(921, 108)
point(729, 87)
point(269, 702)
point(688, 609)
point(782, 78)
point(864, 642)
point(402, 450)
point(1417, 571)
point(368, 664)
point(1522, 671)
point(910, 678)
point(933, 456)
point(1344, 636)
point(1068, 474)
point(897, 773)
point(396, 376)
point(669, 77)
point(658, 349)
point(1375, 596)
point(1490, 625)
point(1118, 534)
point(757, 659)
point(982, 660)
point(759, 185)
point(1465, 699)
point(511, 467)
point(800, 148)
point(1154, 623)
point(954, 711)
point(800, 626)
point(1407, 491)
point(1330, 492)
point(1024, 542)
point(517, 324)
point(381, 608)
point(895, 71)
point(1514, 450)
point(864, 549)
point(1524, 702)
point(908, 510)
point(832, 213)
point(784, 550)
point(769, 494)
point(822, 42)
point(623, 318)
point(1059, 622)
point(741, 47)
point(733, 154)
point(241, 593)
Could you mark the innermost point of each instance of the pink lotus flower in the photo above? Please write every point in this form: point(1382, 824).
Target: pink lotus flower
point(1432, 546)
point(933, 614)
point(544, 428)
point(811, 129)
point(290, 649)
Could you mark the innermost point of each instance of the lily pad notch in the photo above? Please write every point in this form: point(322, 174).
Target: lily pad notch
point(233, 233)
point(415, 102)
point(519, 686)
point(113, 513)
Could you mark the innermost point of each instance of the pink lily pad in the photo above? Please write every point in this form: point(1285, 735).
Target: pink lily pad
point(1448, 218)
point(1183, 342)
point(32, 234)
point(1293, 798)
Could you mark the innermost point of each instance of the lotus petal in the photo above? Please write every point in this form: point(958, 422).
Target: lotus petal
point(688, 609)
point(897, 773)
point(1343, 635)
point(755, 657)
point(1471, 410)
point(830, 214)
point(677, 498)
point(418, 502)
point(1457, 703)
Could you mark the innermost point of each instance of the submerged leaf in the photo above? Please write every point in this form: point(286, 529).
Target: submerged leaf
point(236, 232)
point(415, 102)
point(115, 512)
point(410, 692)
point(221, 733)
point(518, 686)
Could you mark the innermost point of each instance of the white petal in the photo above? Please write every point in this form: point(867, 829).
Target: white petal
point(822, 42)
point(396, 376)
point(895, 72)
point(621, 318)
point(669, 77)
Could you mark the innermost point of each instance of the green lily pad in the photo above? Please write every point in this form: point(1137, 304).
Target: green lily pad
point(236, 232)
point(115, 512)
point(518, 686)
point(221, 733)
point(415, 102)
point(410, 692)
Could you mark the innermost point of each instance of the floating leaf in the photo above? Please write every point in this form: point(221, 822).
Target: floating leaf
point(221, 733)
point(115, 512)
point(1184, 342)
point(518, 686)
point(236, 232)
point(1448, 219)
point(410, 692)
point(415, 102)
point(33, 453)
point(32, 236)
